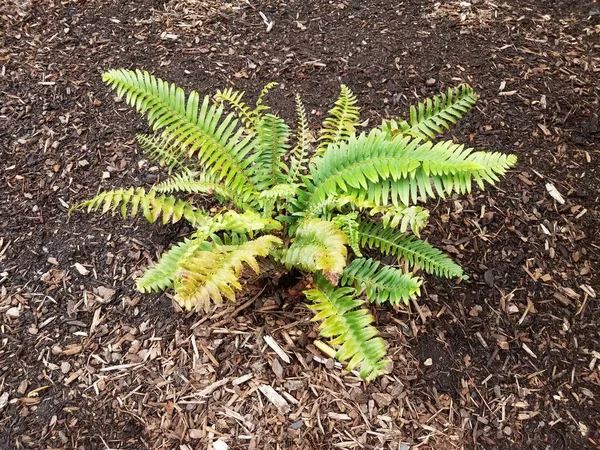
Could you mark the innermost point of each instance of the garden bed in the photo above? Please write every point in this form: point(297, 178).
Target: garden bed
point(507, 359)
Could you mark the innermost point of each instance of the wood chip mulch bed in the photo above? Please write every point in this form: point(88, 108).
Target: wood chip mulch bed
point(509, 359)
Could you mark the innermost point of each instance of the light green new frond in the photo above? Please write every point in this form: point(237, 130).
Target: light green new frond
point(206, 277)
point(234, 99)
point(272, 136)
point(148, 203)
point(341, 121)
point(435, 115)
point(260, 106)
point(269, 197)
point(318, 245)
point(381, 283)
point(393, 216)
point(299, 154)
point(349, 328)
point(198, 127)
point(400, 170)
point(348, 223)
point(280, 191)
point(160, 276)
point(158, 149)
point(412, 250)
point(402, 217)
point(246, 223)
point(201, 183)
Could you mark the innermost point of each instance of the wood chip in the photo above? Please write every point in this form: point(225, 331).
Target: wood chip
point(280, 403)
point(220, 445)
point(3, 400)
point(242, 379)
point(554, 193)
point(81, 269)
point(276, 348)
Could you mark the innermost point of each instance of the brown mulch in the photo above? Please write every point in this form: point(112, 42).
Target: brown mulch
point(509, 359)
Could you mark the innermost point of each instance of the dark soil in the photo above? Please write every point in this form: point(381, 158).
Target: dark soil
point(509, 359)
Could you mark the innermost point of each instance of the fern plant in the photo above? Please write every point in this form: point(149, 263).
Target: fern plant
point(326, 205)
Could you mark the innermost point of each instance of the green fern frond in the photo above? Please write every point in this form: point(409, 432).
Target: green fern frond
point(381, 283)
point(161, 275)
point(234, 99)
point(148, 203)
point(348, 223)
point(272, 135)
point(318, 245)
point(349, 328)
point(199, 127)
point(260, 106)
point(341, 121)
point(412, 250)
point(201, 183)
point(435, 115)
point(298, 158)
point(158, 149)
point(382, 170)
point(206, 277)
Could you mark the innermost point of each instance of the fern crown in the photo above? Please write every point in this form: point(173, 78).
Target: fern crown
point(326, 204)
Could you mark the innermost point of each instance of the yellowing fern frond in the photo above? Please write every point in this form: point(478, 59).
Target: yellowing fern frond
point(349, 328)
point(242, 110)
point(231, 221)
point(202, 183)
point(148, 203)
point(260, 101)
point(318, 245)
point(404, 218)
point(161, 275)
point(206, 277)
